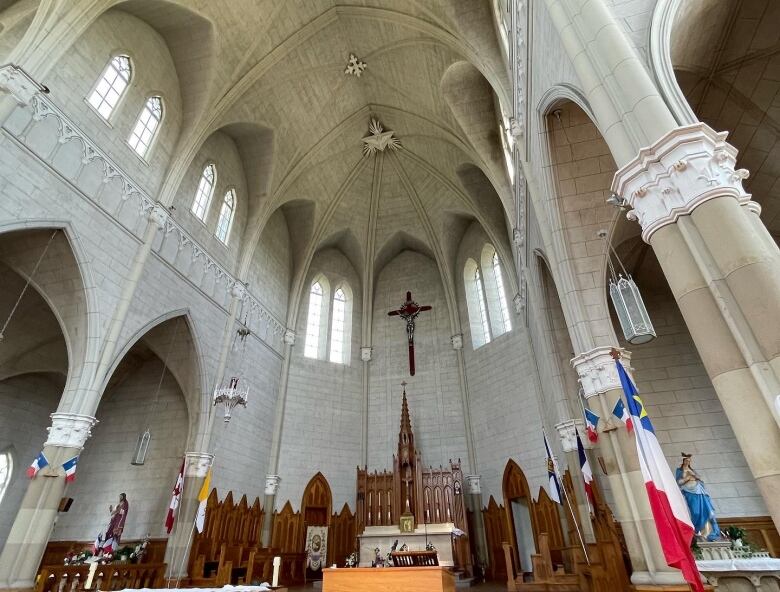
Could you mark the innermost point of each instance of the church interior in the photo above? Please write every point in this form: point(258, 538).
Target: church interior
point(390, 295)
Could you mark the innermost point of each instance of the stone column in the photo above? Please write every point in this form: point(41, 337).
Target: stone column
point(601, 387)
point(567, 430)
point(365, 355)
point(17, 89)
point(724, 272)
point(196, 465)
point(472, 490)
point(34, 522)
point(271, 487)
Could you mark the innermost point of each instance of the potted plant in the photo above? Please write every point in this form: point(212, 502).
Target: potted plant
point(737, 536)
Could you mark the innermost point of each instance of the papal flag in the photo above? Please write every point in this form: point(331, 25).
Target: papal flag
point(203, 497)
point(670, 512)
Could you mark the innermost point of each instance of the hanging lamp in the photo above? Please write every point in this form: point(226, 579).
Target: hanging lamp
point(627, 300)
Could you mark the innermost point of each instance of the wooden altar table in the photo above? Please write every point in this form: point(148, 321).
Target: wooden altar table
point(388, 579)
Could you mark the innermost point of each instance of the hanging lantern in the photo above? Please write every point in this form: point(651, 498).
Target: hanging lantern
point(631, 311)
point(230, 397)
point(141, 448)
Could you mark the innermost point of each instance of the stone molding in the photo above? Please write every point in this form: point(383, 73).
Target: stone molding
point(17, 83)
point(472, 484)
point(197, 463)
point(366, 353)
point(69, 430)
point(685, 168)
point(272, 484)
point(597, 371)
point(567, 430)
point(457, 341)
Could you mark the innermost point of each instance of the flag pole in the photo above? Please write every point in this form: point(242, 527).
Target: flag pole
point(184, 554)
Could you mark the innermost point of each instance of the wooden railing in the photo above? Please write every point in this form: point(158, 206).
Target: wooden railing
point(113, 576)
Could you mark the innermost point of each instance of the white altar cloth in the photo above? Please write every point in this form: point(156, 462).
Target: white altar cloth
point(755, 564)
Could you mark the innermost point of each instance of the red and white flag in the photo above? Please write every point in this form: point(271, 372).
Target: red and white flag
point(175, 499)
point(587, 474)
point(670, 512)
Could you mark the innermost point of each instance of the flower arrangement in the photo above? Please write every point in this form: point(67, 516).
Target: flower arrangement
point(429, 546)
point(73, 558)
point(352, 560)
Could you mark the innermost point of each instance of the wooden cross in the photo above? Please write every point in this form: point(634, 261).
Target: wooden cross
point(408, 312)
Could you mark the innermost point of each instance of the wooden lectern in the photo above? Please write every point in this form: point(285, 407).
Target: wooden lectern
point(388, 579)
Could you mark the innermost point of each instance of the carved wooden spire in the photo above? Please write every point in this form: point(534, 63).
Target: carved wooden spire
point(406, 457)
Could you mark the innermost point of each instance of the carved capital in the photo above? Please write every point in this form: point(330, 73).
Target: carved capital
point(272, 484)
point(197, 463)
point(685, 168)
point(597, 370)
point(473, 486)
point(518, 237)
point(519, 300)
point(238, 291)
point(366, 353)
point(289, 337)
point(69, 430)
point(159, 215)
point(457, 341)
point(17, 83)
point(567, 430)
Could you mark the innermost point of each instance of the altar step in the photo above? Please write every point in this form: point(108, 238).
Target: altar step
point(462, 580)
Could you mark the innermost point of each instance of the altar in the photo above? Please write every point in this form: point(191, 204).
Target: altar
point(383, 538)
point(393, 579)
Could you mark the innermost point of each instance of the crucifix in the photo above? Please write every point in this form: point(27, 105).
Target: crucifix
point(408, 312)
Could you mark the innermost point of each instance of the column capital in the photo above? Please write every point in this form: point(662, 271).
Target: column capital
point(272, 484)
point(366, 352)
point(597, 370)
point(69, 430)
point(472, 482)
point(457, 341)
point(159, 215)
point(680, 171)
point(17, 83)
point(289, 337)
point(567, 430)
point(197, 463)
point(238, 290)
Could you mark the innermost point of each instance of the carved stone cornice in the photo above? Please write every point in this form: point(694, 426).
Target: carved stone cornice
point(17, 83)
point(272, 484)
point(597, 370)
point(69, 430)
point(197, 463)
point(685, 168)
point(567, 431)
point(473, 486)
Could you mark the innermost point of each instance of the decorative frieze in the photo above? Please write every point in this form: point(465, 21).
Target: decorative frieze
point(197, 463)
point(597, 371)
point(685, 168)
point(69, 430)
point(272, 484)
point(17, 83)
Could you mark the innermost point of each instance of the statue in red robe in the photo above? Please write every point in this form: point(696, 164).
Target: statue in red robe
point(115, 526)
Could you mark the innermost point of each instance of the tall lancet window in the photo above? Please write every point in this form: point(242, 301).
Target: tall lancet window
point(479, 321)
point(226, 213)
point(145, 130)
point(314, 321)
point(6, 471)
point(337, 332)
point(111, 86)
point(200, 205)
point(483, 315)
point(507, 321)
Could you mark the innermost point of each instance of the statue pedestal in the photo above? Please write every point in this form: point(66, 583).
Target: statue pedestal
point(383, 537)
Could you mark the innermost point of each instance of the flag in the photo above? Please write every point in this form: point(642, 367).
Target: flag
point(203, 496)
point(39, 462)
point(622, 414)
point(591, 421)
point(175, 498)
point(98, 544)
point(70, 469)
point(670, 512)
point(587, 474)
point(552, 472)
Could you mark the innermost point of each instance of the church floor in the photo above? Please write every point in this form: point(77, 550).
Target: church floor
point(484, 587)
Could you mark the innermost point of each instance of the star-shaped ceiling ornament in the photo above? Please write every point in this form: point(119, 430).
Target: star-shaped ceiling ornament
point(355, 66)
point(379, 139)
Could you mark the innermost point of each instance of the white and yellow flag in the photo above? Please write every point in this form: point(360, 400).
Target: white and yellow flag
point(203, 496)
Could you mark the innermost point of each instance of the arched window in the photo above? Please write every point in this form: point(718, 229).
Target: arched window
point(200, 206)
point(341, 325)
point(226, 213)
point(6, 471)
point(477, 306)
point(146, 126)
point(507, 321)
point(314, 321)
point(111, 86)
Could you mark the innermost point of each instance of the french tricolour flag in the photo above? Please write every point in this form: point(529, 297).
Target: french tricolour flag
point(37, 465)
point(591, 422)
point(622, 414)
point(670, 512)
point(70, 469)
point(587, 474)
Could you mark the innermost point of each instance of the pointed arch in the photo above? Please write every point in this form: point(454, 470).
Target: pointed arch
point(341, 324)
point(495, 291)
point(317, 501)
point(317, 318)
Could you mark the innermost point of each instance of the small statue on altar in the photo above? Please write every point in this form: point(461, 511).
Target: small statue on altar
point(698, 500)
point(378, 560)
point(110, 542)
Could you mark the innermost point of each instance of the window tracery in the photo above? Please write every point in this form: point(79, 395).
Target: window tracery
point(200, 205)
point(111, 86)
point(226, 214)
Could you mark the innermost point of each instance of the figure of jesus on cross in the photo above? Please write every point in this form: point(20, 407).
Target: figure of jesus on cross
point(408, 312)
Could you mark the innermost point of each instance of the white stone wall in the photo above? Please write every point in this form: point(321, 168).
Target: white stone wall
point(26, 402)
point(269, 275)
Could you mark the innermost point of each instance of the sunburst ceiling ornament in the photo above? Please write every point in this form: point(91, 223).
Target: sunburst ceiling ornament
point(379, 139)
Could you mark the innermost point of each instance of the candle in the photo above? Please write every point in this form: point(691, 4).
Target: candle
point(277, 565)
point(92, 569)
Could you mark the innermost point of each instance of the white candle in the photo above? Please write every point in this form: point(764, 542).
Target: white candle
point(277, 565)
point(90, 575)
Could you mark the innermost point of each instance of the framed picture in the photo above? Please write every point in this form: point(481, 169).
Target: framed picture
point(407, 523)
